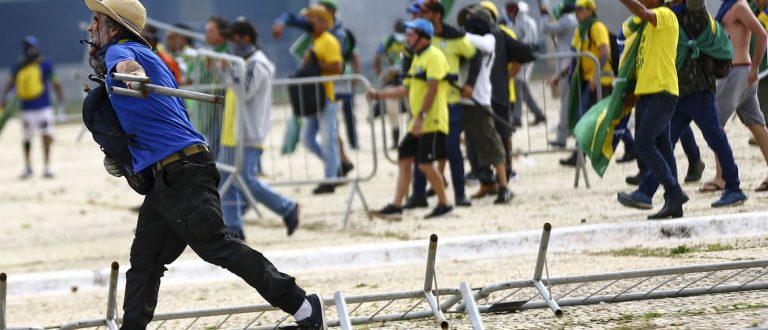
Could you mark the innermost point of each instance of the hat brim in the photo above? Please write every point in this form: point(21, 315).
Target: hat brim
point(99, 7)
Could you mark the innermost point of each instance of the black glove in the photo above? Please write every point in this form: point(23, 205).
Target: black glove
point(113, 166)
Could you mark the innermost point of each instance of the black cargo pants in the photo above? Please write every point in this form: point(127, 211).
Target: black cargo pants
point(183, 208)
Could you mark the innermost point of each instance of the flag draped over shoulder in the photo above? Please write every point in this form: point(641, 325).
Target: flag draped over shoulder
point(714, 42)
point(598, 131)
point(577, 82)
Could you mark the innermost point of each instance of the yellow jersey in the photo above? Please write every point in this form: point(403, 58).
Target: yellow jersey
point(430, 64)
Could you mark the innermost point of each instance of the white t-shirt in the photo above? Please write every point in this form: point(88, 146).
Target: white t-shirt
point(486, 45)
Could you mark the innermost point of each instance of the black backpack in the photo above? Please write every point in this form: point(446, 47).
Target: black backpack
point(307, 99)
point(349, 47)
point(100, 118)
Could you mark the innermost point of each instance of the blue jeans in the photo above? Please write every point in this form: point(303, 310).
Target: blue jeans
point(687, 141)
point(455, 159)
point(233, 201)
point(349, 117)
point(652, 140)
point(700, 108)
point(324, 122)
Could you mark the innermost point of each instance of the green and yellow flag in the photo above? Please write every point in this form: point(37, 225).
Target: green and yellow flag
point(598, 131)
point(8, 112)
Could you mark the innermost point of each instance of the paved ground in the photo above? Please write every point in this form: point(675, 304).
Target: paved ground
point(83, 218)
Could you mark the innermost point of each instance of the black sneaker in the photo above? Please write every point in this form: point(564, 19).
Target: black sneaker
point(316, 321)
point(414, 202)
point(389, 212)
point(570, 161)
point(504, 196)
point(291, 220)
point(635, 179)
point(439, 211)
point(463, 202)
point(694, 172)
point(345, 169)
point(324, 189)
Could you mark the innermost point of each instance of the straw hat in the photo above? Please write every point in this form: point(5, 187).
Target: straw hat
point(131, 14)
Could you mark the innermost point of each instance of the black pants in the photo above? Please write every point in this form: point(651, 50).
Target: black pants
point(184, 208)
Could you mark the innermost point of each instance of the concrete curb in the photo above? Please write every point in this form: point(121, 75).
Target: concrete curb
point(577, 238)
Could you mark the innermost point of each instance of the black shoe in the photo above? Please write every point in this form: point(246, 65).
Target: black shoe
point(316, 321)
point(504, 196)
point(414, 202)
point(389, 212)
point(463, 202)
point(673, 208)
point(635, 180)
point(471, 177)
point(291, 220)
point(537, 121)
point(628, 157)
point(439, 210)
point(345, 168)
point(694, 172)
point(324, 188)
point(557, 145)
point(570, 161)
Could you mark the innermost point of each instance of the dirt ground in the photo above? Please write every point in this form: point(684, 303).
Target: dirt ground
point(83, 218)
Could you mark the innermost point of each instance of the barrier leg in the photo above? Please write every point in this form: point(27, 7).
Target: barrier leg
point(112, 298)
point(248, 195)
point(341, 310)
point(434, 304)
point(469, 302)
point(541, 261)
point(355, 190)
point(3, 291)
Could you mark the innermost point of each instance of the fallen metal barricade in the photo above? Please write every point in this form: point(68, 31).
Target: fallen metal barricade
point(539, 292)
point(3, 306)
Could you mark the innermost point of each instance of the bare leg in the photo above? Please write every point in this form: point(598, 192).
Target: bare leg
point(27, 147)
point(403, 180)
point(47, 141)
point(501, 174)
point(761, 136)
point(343, 152)
point(436, 181)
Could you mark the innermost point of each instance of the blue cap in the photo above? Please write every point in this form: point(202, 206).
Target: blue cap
point(31, 40)
point(422, 25)
point(415, 8)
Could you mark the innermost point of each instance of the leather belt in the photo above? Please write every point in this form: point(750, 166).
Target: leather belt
point(183, 153)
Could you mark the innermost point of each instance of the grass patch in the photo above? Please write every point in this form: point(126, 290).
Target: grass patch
point(639, 251)
point(747, 306)
point(652, 315)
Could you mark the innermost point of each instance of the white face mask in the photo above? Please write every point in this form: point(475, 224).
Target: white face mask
point(399, 37)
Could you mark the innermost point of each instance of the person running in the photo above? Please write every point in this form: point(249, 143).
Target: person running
point(32, 77)
point(738, 91)
point(591, 36)
point(454, 44)
point(697, 99)
point(257, 87)
point(657, 91)
point(182, 207)
point(427, 90)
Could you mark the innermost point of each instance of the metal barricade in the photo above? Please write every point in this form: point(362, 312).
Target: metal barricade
point(390, 112)
point(300, 166)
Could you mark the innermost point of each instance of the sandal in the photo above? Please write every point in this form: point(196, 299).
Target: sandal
point(762, 187)
point(712, 186)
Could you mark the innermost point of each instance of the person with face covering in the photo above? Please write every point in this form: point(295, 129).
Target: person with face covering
point(182, 207)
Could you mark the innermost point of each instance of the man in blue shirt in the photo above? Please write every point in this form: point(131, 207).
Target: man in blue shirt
point(31, 76)
point(183, 207)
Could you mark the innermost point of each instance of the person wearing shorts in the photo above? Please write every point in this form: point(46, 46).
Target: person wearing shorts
point(32, 76)
point(427, 90)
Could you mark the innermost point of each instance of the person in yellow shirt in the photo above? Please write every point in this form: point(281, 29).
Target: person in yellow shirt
point(592, 37)
point(657, 92)
point(327, 51)
point(427, 89)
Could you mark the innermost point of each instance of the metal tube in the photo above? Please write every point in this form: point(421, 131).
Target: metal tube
point(542, 257)
point(129, 77)
point(127, 92)
point(544, 292)
point(439, 317)
point(3, 292)
point(175, 92)
point(112, 299)
point(430, 276)
point(341, 310)
point(469, 302)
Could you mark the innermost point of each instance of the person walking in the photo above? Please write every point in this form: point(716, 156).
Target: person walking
point(32, 77)
point(256, 84)
point(182, 207)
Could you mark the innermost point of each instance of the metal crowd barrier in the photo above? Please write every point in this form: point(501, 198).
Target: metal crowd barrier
point(539, 292)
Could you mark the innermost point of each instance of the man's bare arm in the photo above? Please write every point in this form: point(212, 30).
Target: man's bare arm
point(130, 67)
point(331, 68)
point(745, 16)
point(639, 10)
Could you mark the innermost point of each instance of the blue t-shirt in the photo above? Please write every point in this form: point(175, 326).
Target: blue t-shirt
point(160, 123)
point(44, 100)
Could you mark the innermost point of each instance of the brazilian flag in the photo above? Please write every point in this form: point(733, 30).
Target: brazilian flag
point(599, 130)
point(7, 113)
